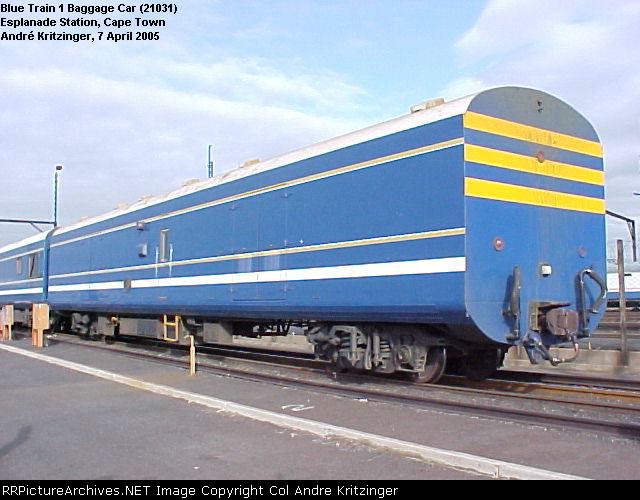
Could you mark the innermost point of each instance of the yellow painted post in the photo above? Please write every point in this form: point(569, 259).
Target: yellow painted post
point(4, 329)
point(39, 323)
point(8, 322)
point(3, 335)
point(192, 356)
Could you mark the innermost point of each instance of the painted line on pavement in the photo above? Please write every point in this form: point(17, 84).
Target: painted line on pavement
point(462, 461)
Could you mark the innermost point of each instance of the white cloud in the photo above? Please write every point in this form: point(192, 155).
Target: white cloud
point(127, 122)
point(462, 87)
point(253, 80)
point(585, 52)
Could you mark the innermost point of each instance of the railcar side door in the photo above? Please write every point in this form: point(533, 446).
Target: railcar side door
point(245, 215)
point(271, 241)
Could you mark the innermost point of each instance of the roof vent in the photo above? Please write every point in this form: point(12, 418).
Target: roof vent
point(191, 182)
point(249, 163)
point(423, 106)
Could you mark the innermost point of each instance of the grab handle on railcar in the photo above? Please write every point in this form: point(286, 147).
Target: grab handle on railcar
point(586, 312)
point(514, 303)
point(603, 290)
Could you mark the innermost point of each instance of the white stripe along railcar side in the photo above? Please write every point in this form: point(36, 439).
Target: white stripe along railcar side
point(385, 269)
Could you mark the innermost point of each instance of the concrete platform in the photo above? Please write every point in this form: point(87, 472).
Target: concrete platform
point(58, 424)
point(61, 424)
point(600, 356)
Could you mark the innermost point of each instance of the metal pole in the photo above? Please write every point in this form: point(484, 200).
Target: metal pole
point(55, 196)
point(55, 200)
point(24, 221)
point(210, 164)
point(192, 356)
point(624, 347)
point(634, 240)
point(631, 224)
point(33, 223)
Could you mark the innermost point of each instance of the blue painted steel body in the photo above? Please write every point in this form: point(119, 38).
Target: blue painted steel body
point(20, 287)
point(569, 241)
point(283, 249)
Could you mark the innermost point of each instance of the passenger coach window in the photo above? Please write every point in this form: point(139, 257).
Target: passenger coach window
point(164, 245)
point(34, 266)
point(19, 266)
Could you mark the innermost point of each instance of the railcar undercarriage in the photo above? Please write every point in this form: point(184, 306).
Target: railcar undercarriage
point(421, 353)
point(381, 349)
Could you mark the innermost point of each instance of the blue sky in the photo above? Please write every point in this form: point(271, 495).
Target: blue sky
point(393, 51)
point(261, 77)
point(386, 54)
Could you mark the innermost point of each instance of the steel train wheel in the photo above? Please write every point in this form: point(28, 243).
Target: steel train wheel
point(434, 368)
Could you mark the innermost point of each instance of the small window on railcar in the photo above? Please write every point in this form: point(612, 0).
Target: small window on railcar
point(34, 266)
point(19, 266)
point(164, 245)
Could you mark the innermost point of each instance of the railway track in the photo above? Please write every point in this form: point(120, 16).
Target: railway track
point(611, 320)
point(571, 380)
point(608, 397)
point(599, 405)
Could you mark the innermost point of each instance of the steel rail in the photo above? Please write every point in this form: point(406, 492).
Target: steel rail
point(425, 400)
point(536, 391)
point(572, 380)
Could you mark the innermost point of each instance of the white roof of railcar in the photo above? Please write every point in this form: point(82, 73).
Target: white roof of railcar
point(23, 243)
point(405, 122)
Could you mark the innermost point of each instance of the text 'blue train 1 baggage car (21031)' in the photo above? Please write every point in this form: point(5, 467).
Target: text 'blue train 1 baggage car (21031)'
point(456, 231)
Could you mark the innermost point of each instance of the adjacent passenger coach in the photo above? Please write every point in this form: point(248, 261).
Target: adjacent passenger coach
point(454, 232)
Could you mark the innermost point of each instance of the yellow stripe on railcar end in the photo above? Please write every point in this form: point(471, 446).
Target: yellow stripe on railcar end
point(514, 130)
point(479, 188)
point(531, 165)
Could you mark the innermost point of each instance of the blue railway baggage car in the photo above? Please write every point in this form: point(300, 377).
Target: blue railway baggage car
point(458, 230)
